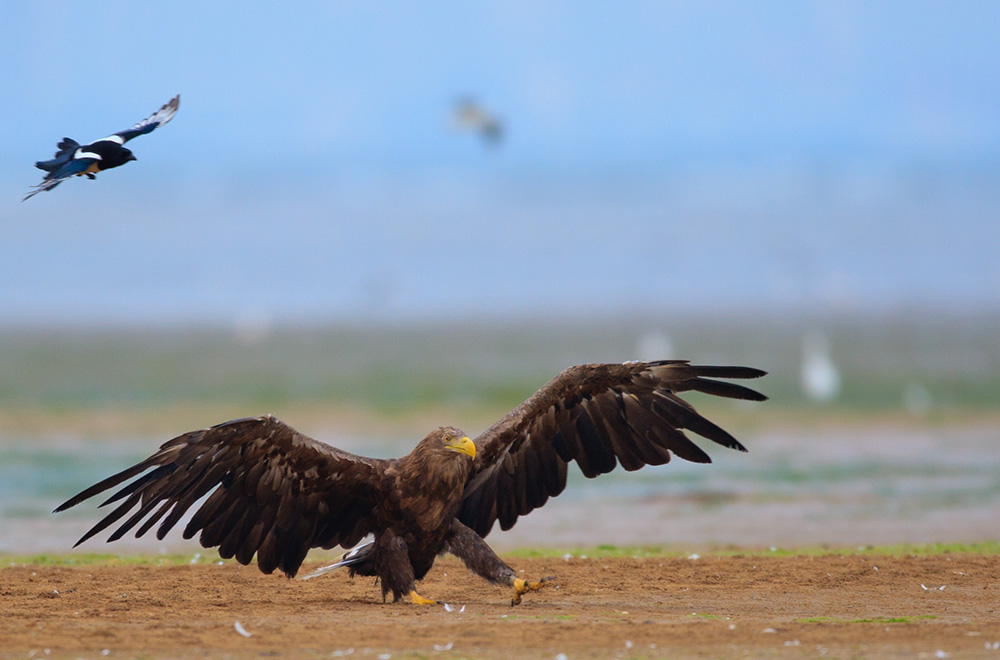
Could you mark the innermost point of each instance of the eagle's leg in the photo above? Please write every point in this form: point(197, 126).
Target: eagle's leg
point(395, 570)
point(481, 560)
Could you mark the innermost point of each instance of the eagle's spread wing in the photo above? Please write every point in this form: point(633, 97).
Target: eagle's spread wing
point(147, 125)
point(598, 415)
point(277, 493)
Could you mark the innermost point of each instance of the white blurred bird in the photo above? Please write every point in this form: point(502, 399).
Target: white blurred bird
point(820, 377)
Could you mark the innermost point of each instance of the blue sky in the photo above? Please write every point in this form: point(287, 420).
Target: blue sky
point(657, 154)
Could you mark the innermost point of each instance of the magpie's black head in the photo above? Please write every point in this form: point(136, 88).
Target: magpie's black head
point(113, 155)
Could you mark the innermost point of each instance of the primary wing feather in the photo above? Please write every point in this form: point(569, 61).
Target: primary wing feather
point(598, 415)
point(272, 491)
point(150, 123)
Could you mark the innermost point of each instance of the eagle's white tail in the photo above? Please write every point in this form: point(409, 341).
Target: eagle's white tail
point(350, 557)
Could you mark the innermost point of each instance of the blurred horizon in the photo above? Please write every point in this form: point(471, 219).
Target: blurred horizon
point(658, 158)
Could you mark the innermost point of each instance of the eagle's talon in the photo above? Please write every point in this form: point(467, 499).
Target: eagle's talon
point(522, 587)
point(417, 599)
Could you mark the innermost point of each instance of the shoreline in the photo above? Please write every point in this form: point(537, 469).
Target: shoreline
point(120, 421)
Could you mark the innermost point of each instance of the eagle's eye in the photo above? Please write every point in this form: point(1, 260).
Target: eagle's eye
point(448, 437)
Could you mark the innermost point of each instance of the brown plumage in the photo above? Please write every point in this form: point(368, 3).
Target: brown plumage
point(276, 493)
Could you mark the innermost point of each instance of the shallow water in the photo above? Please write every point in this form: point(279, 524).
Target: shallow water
point(847, 486)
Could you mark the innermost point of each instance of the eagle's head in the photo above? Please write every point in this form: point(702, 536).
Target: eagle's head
point(446, 454)
point(447, 441)
point(453, 439)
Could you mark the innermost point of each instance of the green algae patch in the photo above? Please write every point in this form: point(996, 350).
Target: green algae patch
point(639, 552)
point(877, 619)
point(105, 559)
point(986, 548)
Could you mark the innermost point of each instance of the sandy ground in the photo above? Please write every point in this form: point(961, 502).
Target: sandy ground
point(849, 607)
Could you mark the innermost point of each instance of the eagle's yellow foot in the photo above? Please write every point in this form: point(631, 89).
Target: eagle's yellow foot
point(417, 599)
point(522, 587)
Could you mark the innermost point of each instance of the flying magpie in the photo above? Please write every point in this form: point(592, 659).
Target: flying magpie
point(74, 159)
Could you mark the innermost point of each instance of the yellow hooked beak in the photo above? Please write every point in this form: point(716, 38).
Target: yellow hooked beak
point(462, 445)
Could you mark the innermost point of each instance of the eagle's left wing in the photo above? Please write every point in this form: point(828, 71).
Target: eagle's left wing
point(597, 415)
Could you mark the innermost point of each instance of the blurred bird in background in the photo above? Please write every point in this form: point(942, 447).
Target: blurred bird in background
point(469, 115)
point(820, 376)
